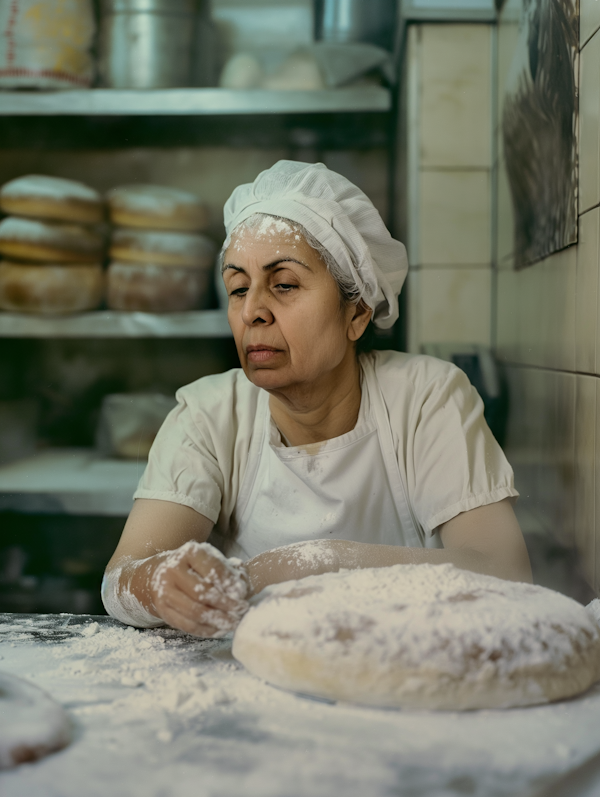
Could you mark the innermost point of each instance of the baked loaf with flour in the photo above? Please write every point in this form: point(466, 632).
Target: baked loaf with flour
point(48, 241)
point(42, 197)
point(420, 636)
point(162, 248)
point(50, 289)
point(150, 288)
point(156, 207)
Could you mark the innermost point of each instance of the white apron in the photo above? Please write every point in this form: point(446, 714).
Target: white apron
point(347, 488)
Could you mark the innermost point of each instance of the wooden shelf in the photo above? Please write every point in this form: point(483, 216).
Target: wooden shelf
point(108, 324)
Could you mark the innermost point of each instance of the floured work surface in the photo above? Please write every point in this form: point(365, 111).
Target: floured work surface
point(157, 712)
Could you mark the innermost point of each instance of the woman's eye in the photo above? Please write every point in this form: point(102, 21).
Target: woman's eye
point(284, 287)
point(238, 292)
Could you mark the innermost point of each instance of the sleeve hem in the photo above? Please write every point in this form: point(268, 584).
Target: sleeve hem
point(465, 504)
point(180, 498)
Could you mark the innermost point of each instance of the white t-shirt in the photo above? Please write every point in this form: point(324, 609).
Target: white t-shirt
point(447, 458)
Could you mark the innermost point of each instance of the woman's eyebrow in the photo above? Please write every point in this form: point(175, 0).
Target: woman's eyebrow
point(269, 266)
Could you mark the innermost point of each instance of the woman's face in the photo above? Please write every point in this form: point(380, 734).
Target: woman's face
point(284, 309)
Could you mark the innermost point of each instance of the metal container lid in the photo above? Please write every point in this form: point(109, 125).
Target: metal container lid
point(171, 7)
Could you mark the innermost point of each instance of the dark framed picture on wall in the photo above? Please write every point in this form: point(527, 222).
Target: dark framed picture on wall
point(539, 129)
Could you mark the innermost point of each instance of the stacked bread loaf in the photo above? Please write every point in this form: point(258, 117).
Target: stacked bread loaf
point(160, 261)
point(50, 246)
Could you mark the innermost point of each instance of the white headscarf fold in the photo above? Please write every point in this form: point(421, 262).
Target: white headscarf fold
point(340, 216)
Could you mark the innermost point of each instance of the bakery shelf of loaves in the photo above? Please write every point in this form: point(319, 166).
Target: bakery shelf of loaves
point(55, 239)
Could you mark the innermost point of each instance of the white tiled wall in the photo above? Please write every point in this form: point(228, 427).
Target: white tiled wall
point(450, 161)
point(548, 337)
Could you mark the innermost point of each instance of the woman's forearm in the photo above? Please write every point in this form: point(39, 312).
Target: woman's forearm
point(126, 594)
point(328, 556)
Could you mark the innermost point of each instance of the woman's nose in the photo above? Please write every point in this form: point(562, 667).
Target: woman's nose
point(256, 310)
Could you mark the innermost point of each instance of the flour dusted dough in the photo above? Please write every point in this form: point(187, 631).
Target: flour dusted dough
point(149, 288)
point(44, 197)
point(156, 207)
point(420, 636)
point(162, 248)
point(50, 289)
point(31, 723)
point(49, 241)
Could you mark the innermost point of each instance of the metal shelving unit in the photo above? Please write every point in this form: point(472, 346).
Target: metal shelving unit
point(71, 482)
point(108, 324)
point(195, 102)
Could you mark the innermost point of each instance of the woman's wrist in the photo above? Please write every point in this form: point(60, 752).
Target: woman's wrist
point(126, 593)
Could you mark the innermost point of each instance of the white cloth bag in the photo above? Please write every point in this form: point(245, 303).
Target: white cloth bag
point(46, 44)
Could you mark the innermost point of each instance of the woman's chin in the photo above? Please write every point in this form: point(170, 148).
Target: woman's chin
point(267, 378)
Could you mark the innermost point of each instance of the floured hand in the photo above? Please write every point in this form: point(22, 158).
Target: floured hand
point(197, 590)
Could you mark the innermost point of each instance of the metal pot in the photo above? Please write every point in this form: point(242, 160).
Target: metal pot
point(342, 21)
point(146, 44)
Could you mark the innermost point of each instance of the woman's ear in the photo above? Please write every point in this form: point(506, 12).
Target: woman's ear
point(359, 321)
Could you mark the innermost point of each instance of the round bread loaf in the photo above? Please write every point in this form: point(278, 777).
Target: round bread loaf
point(43, 197)
point(150, 288)
point(49, 241)
point(162, 248)
point(420, 636)
point(50, 289)
point(33, 725)
point(156, 207)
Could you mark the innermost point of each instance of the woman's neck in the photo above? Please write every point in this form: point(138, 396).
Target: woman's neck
point(312, 414)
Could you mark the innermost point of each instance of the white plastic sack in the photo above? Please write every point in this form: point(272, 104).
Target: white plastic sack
point(46, 44)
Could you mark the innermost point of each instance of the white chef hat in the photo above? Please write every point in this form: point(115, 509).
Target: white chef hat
point(342, 219)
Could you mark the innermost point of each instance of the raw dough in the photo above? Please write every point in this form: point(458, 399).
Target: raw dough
point(50, 289)
point(156, 207)
point(31, 723)
point(162, 248)
point(420, 636)
point(49, 241)
point(40, 196)
point(148, 288)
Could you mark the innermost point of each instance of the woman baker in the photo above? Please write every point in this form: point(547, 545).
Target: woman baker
point(310, 458)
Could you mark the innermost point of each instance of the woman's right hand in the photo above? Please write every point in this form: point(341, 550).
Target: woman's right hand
point(197, 590)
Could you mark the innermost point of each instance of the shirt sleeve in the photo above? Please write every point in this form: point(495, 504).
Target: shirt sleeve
point(457, 463)
point(183, 465)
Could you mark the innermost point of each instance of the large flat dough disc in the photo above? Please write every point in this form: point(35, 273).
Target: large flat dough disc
point(420, 636)
point(32, 725)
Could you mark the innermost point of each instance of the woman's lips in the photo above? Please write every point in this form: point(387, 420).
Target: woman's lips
point(259, 354)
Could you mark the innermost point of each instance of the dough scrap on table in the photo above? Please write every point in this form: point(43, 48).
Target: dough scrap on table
point(420, 636)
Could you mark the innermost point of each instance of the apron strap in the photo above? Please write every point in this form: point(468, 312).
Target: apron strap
point(410, 525)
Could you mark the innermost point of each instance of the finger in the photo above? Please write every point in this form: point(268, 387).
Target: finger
point(183, 623)
point(218, 573)
point(205, 591)
point(198, 612)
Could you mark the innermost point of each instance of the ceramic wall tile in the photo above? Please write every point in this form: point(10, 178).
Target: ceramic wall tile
point(530, 286)
point(455, 305)
point(454, 218)
point(585, 476)
point(505, 221)
point(456, 96)
point(508, 36)
point(586, 316)
point(558, 309)
point(589, 19)
point(412, 287)
point(507, 316)
point(589, 125)
point(597, 492)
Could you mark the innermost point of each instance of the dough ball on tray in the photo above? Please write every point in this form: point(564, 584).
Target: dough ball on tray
point(49, 241)
point(43, 197)
point(50, 289)
point(420, 637)
point(156, 207)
